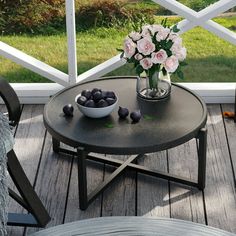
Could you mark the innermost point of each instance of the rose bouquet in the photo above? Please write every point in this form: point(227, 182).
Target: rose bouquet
point(154, 49)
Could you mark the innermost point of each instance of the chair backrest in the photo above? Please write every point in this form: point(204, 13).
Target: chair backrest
point(11, 100)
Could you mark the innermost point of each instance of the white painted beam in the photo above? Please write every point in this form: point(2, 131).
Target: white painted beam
point(185, 25)
point(102, 69)
point(215, 9)
point(220, 31)
point(33, 64)
point(71, 41)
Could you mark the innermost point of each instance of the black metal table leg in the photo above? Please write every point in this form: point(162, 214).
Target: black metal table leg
point(202, 158)
point(55, 145)
point(82, 172)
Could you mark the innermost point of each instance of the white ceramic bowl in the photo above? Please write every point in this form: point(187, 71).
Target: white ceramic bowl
point(96, 112)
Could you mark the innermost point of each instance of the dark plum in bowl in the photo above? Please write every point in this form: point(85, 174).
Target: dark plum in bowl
point(95, 103)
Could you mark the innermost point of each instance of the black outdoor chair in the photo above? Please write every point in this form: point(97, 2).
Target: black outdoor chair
point(38, 216)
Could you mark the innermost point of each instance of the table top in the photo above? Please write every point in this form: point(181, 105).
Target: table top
point(132, 226)
point(164, 124)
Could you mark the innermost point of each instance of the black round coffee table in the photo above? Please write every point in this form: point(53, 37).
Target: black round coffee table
point(164, 124)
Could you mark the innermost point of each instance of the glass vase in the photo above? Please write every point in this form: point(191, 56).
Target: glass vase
point(157, 87)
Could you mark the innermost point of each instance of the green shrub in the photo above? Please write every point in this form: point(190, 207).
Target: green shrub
point(110, 13)
point(30, 15)
point(48, 16)
point(197, 5)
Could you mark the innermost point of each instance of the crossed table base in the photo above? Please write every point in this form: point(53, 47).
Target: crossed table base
point(83, 155)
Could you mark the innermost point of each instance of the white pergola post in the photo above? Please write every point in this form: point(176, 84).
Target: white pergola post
point(71, 41)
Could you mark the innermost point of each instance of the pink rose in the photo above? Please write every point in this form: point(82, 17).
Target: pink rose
point(145, 46)
point(159, 57)
point(171, 64)
point(146, 63)
point(177, 43)
point(129, 47)
point(146, 30)
point(135, 36)
point(162, 34)
point(157, 28)
point(179, 51)
point(176, 47)
point(181, 54)
point(173, 36)
point(138, 56)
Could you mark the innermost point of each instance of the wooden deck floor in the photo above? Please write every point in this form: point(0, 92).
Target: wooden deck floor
point(55, 178)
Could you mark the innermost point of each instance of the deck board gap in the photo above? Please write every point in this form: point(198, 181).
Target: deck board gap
point(40, 159)
point(230, 154)
point(102, 197)
point(168, 170)
point(68, 189)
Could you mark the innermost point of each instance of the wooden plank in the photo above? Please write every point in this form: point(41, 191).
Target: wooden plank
point(52, 183)
point(120, 198)
point(230, 127)
point(220, 190)
point(153, 193)
point(95, 175)
point(28, 144)
point(186, 202)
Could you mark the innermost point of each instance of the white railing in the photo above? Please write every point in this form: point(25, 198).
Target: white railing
point(38, 93)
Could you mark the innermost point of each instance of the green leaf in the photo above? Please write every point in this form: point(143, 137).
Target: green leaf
point(164, 22)
point(109, 125)
point(148, 117)
point(139, 69)
point(180, 74)
point(169, 44)
point(122, 55)
point(164, 71)
point(175, 29)
point(183, 63)
point(119, 50)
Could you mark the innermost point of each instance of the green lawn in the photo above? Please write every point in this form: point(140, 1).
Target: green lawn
point(209, 58)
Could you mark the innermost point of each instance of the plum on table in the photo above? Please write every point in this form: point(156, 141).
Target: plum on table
point(135, 116)
point(81, 100)
point(68, 110)
point(97, 96)
point(110, 101)
point(102, 103)
point(90, 103)
point(111, 94)
point(86, 93)
point(123, 112)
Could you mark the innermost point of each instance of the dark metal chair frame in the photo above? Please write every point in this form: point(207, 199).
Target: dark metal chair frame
point(38, 215)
